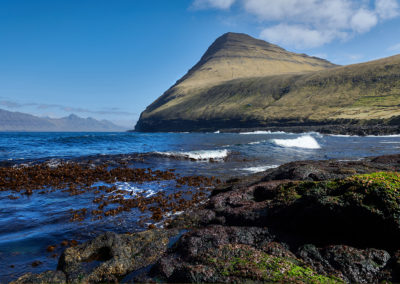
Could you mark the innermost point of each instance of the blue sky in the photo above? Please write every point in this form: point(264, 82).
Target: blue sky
point(109, 59)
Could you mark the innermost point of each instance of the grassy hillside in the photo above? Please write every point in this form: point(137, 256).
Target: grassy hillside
point(358, 92)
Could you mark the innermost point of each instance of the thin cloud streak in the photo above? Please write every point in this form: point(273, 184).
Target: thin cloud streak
point(213, 4)
point(395, 47)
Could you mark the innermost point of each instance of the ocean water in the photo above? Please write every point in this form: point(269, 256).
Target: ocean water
point(31, 223)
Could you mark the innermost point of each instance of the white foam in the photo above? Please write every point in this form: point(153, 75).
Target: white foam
point(263, 132)
point(316, 134)
point(259, 168)
point(199, 155)
point(256, 142)
point(342, 135)
point(217, 132)
point(132, 189)
point(53, 163)
point(384, 136)
point(373, 136)
point(305, 142)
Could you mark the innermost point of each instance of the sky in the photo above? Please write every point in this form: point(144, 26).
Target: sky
point(109, 59)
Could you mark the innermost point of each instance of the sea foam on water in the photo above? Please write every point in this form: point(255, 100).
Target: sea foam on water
point(305, 142)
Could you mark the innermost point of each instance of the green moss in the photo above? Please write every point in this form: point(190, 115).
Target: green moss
point(243, 262)
point(290, 192)
point(378, 192)
point(386, 181)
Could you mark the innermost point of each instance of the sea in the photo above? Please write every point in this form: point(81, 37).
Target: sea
point(29, 224)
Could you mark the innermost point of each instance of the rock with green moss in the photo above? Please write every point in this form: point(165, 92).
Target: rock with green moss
point(349, 263)
point(244, 263)
point(361, 210)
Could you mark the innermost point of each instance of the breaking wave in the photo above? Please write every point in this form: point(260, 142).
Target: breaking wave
point(305, 142)
point(201, 155)
point(259, 168)
point(256, 142)
point(263, 132)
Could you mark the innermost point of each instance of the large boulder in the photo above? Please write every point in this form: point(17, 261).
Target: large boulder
point(42, 278)
point(351, 264)
point(243, 263)
point(362, 210)
point(110, 256)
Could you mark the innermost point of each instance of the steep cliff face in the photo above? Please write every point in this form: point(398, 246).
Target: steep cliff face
point(242, 82)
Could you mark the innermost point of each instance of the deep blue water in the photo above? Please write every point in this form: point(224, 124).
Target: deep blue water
point(31, 223)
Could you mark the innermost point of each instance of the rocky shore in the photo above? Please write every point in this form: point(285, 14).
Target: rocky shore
point(308, 221)
point(297, 125)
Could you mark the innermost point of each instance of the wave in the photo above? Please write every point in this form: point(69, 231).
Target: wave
point(263, 132)
point(342, 135)
point(256, 142)
point(305, 142)
point(201, 155)
point(259, 168)
point(372, 136)
point(385, 136)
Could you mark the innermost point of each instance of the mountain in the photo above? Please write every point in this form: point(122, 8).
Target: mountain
point(17, 121)
point(242, 82)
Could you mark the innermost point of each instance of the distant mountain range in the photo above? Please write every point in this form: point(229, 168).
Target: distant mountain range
point(17, 121)
point(243, 82)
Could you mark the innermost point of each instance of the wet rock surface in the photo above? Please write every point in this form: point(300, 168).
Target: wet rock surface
point(304, 222)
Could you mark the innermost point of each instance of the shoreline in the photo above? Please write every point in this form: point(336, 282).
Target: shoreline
point(332, 126)
point(293, 216)
point(329, 129)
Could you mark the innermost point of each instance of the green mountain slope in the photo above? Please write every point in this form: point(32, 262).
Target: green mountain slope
point(288, 89)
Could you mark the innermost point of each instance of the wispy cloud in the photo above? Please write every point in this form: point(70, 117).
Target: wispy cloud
point(395, 47)
point(40, 106)
point(312, 23)
point(213, 4)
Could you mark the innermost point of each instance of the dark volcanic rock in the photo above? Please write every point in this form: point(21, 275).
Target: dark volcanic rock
point(299, 206)
point(231, 254)
point(42, 278)
point(197, 244)
point(332, 169)
point(239, 263)
point(110, 256)
point(361, 211)
point(351, 264)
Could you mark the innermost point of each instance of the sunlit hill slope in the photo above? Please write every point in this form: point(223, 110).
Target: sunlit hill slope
point(242, 82)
